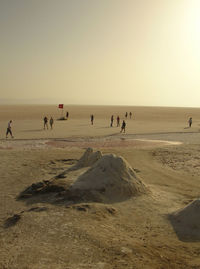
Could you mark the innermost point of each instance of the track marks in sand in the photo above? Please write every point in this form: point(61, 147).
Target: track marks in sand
point(183, 158)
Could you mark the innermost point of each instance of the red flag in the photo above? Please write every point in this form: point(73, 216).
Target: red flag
point(60, 106)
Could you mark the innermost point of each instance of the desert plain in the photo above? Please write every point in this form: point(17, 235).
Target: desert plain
point(44, 225)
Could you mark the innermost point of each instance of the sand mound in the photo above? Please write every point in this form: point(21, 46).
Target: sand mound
point(189, 215)
point(89, 158)
point(186, 222)
point(110, 179)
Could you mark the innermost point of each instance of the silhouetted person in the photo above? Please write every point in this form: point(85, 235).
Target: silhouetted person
point(111, 121)
point(190, 122)
point(67, 114)
point(118, 121)
point(9, 131)
point(126, 115)
point(130, 115)
point(92, 119)
point(123, 128)
point(51, 122)
point(45, 122)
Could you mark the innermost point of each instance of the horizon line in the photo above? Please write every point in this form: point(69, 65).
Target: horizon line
point(76, 104)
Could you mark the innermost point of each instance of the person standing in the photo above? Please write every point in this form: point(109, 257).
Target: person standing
point(118, 121)
point(111, 121)
point(126, 115)
point(51, 122)
point(92, 119)
point(67, 115)
point(123, 128)
point(9, 131)
point(45, 122)
point(130, 115)
point(190, 122)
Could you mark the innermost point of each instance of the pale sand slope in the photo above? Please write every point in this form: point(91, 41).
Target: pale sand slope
point(136, 233)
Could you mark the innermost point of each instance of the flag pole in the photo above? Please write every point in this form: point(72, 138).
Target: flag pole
point(61, 106)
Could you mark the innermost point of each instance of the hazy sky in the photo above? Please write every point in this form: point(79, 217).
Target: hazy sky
point(125, 52)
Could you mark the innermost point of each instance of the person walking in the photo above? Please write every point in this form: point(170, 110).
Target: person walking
point(45, 122)
point(67, 115)
point(9, 131)
point(51, 122)
point(118, 121)
point(92, 119)
point(130, 115)
point(126, 115)
point(123, 128)
point(111, 121)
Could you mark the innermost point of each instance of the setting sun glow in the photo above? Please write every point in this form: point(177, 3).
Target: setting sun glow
point(101, 52)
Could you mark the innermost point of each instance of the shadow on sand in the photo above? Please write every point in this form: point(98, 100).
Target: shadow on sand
point(57, 194)
point(13, 220)
point(32, 131)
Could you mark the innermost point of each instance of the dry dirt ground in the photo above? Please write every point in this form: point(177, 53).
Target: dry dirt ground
point(43, 233)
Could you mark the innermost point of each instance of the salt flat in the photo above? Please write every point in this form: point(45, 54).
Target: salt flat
point(28, 120)
point(136, 233)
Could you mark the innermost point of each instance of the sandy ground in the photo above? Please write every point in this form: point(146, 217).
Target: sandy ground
point(136, 233)
point(28, 121)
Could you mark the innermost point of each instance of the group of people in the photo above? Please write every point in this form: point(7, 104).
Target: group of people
point(123, 127)
point(130, 115)
point(9, 128)
point(51, 121)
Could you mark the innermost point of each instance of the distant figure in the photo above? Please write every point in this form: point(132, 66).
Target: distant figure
point(123, 126)
point(130, 115)
point(67, 114)
point(51, 123)
point(190, 122)
point(118, 121)
point(111, 121)
point(9, 131)
point(45, 122)
point(92, 119)
point(126, 115)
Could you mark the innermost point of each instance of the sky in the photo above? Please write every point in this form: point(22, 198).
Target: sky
point(102, 52)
